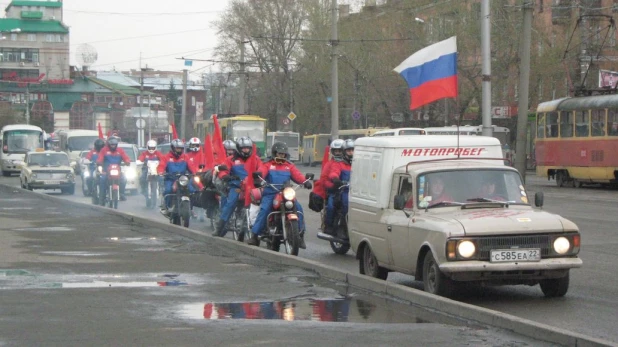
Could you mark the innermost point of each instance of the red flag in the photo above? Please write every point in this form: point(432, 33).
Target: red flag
point(318, 187)
point(100, 131)
point(174, 132)
point(208, 159)
point(109, 133)
point(253, 159)
point(217, 143)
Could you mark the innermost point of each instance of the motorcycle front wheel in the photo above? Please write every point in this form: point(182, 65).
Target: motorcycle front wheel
point(238, 223)
point(292, 241)
point(185, 213)
point(339, 248)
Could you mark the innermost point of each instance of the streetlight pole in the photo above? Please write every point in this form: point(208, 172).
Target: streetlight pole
point(27, 103)
point(334, 106)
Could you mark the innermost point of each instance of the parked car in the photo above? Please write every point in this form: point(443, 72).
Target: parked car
point(79, 166)
point(133, 171)
point(164, 148)
point(47, 170)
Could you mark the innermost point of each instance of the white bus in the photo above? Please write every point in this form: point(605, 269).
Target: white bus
point(16, 140)
point(290, 138)
point(501, 133)
point(74, 141)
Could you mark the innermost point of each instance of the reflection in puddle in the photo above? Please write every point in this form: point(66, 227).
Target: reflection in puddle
point(45, 229)
point(321, 310)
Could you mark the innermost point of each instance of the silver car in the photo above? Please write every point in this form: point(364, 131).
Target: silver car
point(133, 171)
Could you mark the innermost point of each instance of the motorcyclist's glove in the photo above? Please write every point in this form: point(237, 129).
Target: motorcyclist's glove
point(308, 185)
point(258, 183)
point(337, 182)
point(226, 178)
point(222, 167)
point(256, 175)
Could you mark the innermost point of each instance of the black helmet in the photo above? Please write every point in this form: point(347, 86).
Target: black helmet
point(277, 148)
point(244, 142)
point(98, 144)
point(112, 143)
point(177, 144)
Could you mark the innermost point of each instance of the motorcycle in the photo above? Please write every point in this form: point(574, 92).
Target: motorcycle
point(152, 183)
point(210, 196)
point(339, 242)
point(282, 224)
point(180, 207)
point(87, 178)
point(114, 175)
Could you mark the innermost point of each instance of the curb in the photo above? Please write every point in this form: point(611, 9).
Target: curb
point(416, 297)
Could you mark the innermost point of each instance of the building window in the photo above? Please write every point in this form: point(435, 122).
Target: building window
point(49, 37)
point(31, 37)
point(13, 37)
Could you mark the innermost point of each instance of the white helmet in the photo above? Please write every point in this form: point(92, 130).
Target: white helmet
point(151, 145)
point(194, 144)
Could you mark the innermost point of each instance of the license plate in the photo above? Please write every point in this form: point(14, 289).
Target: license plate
point(53, 182)
point(185, 198)
point(515, 255)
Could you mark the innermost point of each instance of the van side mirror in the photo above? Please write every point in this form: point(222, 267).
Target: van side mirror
point(538, 199)
point(309, 176)
point(399, 202)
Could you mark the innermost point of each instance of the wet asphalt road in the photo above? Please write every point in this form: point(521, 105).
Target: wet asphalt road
point(592, 302)
point(82, 277)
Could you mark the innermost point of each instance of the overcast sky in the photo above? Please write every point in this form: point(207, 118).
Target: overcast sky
point(162, 30)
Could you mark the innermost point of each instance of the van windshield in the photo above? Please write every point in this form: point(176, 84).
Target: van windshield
point(440, 188)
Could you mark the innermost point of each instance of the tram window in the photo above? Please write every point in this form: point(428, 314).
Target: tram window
point(540, 122)
point(598, 122)
point(552, 124)
point(582, 124)
point(612, 123)
point(566, 124)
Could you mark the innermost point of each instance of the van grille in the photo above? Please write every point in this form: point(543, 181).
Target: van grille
point(486, 244)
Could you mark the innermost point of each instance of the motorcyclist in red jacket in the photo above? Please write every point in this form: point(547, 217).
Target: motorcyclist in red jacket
point(112, 154)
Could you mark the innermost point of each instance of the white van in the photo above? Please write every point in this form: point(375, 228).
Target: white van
point(446, 209)
point(73, 142)
point(400, 132)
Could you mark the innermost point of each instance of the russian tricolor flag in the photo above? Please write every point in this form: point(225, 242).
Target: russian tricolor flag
point(431, 73)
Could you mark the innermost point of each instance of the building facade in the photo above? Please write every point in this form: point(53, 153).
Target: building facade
point(34, 43)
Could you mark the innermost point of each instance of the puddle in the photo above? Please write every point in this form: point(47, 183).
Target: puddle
point(321, 310)
point(137, 240)
point(103, 284)
point(45, 229)
point(15, 208)
point(19, 279)
point(75, 253)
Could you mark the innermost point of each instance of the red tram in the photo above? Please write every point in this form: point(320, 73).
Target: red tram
point(577, 140)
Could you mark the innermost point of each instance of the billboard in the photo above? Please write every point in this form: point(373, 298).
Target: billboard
point(608, 79)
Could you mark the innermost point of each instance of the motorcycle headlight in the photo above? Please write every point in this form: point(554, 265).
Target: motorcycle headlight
point(289, 205)
point(183, 180)
point(562, 245)
point(289, 193)
point(131, 174)
point(196, 179)
point(114, 172)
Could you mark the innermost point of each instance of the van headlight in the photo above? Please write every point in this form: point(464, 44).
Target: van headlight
point(183, 180)
point(69, 176)
point(466, 249)
point(562, 245)
point(461, 250)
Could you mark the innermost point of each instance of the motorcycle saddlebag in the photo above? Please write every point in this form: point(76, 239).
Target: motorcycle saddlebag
point(316, 202)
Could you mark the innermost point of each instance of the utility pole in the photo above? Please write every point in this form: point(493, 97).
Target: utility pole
point(334, 106)
point(486, 62)
point(524, 81)
point(291, 97)
point(243, 79)
point(27, 103)
point(140, 129)
point(183, 115)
